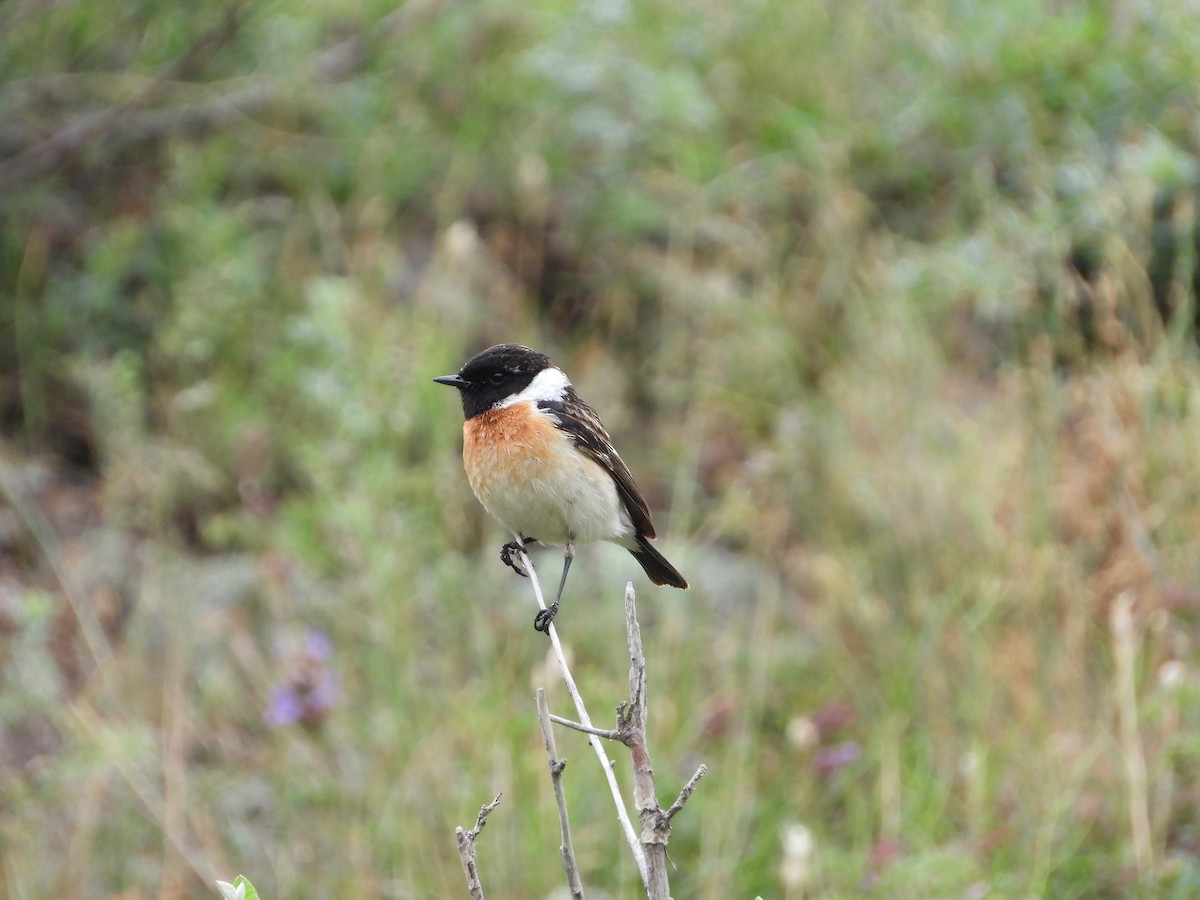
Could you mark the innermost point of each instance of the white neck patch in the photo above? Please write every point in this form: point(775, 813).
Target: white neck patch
point(548, 384)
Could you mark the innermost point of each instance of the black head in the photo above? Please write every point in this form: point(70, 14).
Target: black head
point(495, 374)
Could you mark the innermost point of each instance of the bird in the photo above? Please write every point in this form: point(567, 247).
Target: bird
point(540, 461)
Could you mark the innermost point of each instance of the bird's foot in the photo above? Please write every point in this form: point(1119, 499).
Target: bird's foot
point(541, 622)
point(513, 562)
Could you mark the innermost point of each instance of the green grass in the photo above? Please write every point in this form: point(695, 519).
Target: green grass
point(868, 298)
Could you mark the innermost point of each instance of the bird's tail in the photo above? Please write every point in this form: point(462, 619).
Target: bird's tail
point(656, 565)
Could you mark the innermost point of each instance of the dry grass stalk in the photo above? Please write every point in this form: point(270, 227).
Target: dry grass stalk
point(1125, 651)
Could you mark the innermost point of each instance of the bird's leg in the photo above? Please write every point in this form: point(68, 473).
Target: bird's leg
point(541, 622)
point(507, 551)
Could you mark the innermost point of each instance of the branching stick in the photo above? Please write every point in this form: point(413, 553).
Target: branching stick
point(631, 723)
point(650, 848)
point(556, 769)
point(466, 848)
point(631, 837)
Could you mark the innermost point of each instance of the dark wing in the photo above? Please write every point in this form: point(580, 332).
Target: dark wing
point(583, 426)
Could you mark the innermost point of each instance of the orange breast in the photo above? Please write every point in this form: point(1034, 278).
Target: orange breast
point(505, 449)
point(500, 438)
point(531, 477)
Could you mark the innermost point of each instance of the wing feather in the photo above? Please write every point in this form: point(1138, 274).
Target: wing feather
point(583, 426)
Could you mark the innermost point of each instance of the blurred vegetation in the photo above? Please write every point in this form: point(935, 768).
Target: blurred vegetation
point(891, 308)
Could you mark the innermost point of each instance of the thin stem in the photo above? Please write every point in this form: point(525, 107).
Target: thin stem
point(556, 769)
point(1125, 652)
point(686, 792)
point(609, 734)
point(631, 836)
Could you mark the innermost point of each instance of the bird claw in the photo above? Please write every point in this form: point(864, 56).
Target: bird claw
point(513, 562)
point(541, 622)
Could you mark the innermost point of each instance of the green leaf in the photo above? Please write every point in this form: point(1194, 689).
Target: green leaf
point(242, 882)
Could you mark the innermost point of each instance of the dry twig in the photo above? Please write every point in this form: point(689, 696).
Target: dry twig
point(631, 837)
point(631, 722)
point(556, 769)
point(650, 849)
point(466, 847)
point(609, 734)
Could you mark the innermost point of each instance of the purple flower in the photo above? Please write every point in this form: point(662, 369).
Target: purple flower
point(308, 687)
point(317, 645)
point(831, 761)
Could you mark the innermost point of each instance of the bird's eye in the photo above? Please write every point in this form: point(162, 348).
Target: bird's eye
point(496, 378)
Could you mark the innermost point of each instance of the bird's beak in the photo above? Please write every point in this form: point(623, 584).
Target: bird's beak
point(453, 380)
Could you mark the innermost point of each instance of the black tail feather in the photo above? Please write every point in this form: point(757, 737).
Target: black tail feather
point(657, 568)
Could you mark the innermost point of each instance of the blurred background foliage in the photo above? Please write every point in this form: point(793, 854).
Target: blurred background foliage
point(891, 308)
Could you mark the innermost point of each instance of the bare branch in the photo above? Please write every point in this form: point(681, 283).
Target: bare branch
point(650, 848)
point(635, 845)
point(609, 734)
point(484, 812)
point(556, 769)
point(686, 793)
point(631, 722)
point(466, 847)
point(631, 719)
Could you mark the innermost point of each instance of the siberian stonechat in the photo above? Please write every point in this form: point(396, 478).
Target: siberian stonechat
point(540, 462)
